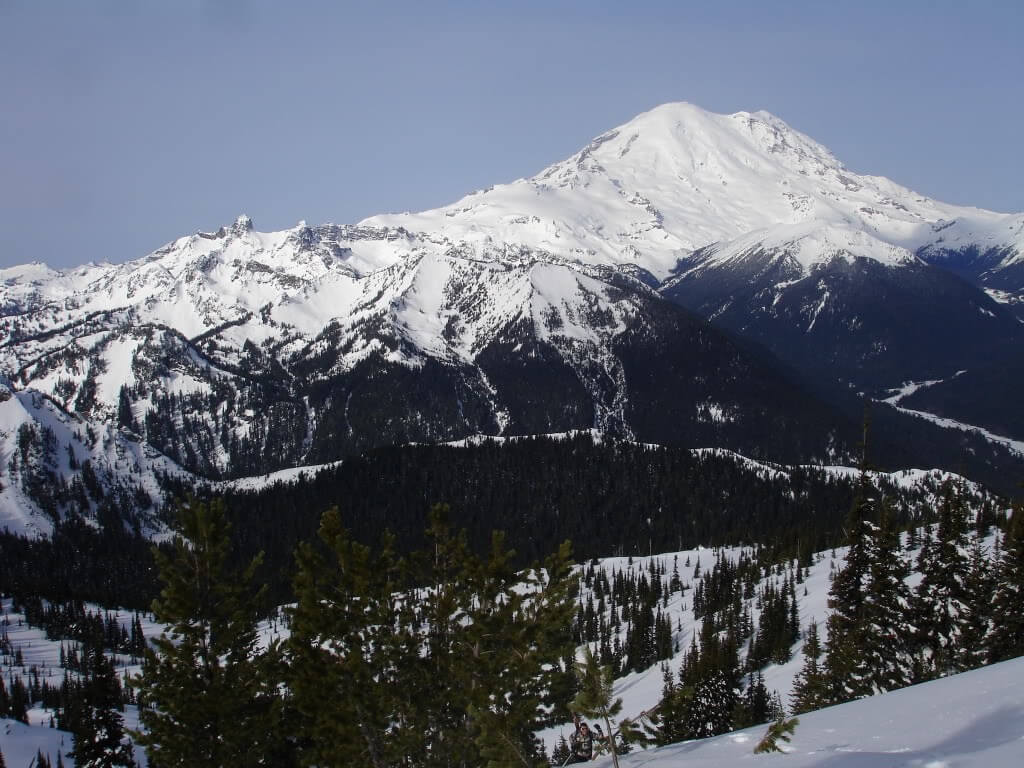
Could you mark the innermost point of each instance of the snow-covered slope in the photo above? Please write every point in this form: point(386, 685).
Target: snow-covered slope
point(53, 461)
point(967, 719)
point(971, 720)
point(678, 178)
point(532, 306)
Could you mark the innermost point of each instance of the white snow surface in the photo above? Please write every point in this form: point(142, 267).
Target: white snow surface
point(679, 178)
point(971, 720)
point(649, 193)
point(675, 190)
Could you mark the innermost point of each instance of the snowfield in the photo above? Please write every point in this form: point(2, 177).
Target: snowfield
point(967, 720)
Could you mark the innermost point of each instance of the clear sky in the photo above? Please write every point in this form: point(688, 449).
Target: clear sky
point(126, 124)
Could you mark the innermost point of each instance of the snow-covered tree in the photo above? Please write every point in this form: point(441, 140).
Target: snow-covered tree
point(942, 602)
point(885, 658)
point(971, 651)
point(711, 709)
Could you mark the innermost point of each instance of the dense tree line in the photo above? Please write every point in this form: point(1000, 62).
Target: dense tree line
point(107, 564)
point(443, 657)
point(609, 497)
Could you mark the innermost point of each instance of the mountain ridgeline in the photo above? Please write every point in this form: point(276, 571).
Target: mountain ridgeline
point(687, 279)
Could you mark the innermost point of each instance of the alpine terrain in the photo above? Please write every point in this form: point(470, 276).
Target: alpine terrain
point(687, 279)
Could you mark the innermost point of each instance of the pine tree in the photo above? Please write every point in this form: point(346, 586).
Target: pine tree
point(1006, 640)
point(515, 636)
point(203, 699)
point(561, 753)
point(385, 673)
point(668, 722)
point(711, 710)
point(971, 651)
point(99, 728)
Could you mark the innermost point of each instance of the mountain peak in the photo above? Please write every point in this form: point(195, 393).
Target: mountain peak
point(242, 225)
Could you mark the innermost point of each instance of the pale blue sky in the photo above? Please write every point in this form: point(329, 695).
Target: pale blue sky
point(126, 124)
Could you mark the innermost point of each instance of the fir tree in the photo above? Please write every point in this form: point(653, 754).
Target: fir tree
point(561, 753)
point(885, 659)
point(810, 687)
point(203, 699)
point(339, 649)
point(1006, 640)
point(847, 598)
point(665, 725)
point(711, 710)
point(515, 635)
point(942, 601)
point(971, 651)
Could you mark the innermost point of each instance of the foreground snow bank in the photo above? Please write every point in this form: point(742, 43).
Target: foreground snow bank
point(972, 719)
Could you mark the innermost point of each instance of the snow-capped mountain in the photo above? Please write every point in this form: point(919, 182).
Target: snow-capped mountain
point(531, 307)
point(678, 179)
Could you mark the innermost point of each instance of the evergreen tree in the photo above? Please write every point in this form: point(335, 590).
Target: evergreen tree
point(711, 710)
point(1006, 640)
point(99, 728)
point(203, 699)
point(670, 718)
point(782, 729)
point(515, 635)
point(755, 705)
point(971, 651)
point(942, 601)
point(342, 627)
point(453, 674)
point(559, 755)
point(595, 698)
point(845, 670)
point(810, 687)
point(885, 660)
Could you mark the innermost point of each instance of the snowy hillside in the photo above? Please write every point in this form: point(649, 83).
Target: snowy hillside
point(971, 720)
point(52, 460)
point(980, 711)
